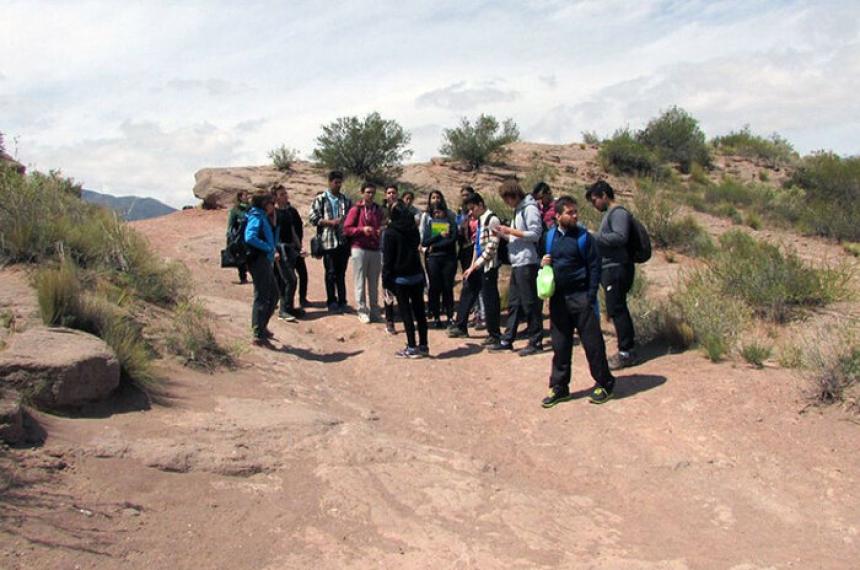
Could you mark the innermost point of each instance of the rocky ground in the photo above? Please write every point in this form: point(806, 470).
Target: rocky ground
point(331, 453)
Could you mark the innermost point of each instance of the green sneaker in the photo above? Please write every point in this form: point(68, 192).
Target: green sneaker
point(599, 396)
point(554, 397)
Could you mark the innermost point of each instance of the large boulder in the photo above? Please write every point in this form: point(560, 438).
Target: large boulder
point(59, 368)
point(12, 429)
point(217, 187)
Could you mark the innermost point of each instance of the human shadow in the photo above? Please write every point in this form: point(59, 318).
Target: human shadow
point(632, 384)
point(328, 358)
point(460, 351)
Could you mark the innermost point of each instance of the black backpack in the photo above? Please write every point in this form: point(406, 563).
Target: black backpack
point(638, 242)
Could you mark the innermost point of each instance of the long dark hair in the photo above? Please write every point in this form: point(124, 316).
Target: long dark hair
point(442, 204)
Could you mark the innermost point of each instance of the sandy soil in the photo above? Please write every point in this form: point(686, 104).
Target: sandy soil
point(331, 453)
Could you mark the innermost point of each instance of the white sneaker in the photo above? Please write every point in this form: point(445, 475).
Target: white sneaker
point(364, 318)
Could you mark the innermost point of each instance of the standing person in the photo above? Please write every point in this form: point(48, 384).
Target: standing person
point(523, 237)
point(234, 221)
point(363, 226)
point(289, 248)
point(409, 199)
point(466, 231)
point(481, 278)
point(439, 234)
point(402, 272)
point(618, 269)
point(301, 267)
point(260, 239)
point(327, 213)
point(392, 194)
point(543, 196)
point(573, 307)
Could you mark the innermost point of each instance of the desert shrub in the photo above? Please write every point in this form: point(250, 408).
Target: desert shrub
point(478, 143)
point(192, 339)
point(623, 154)
point(283, 158)
point(775, 151)
point(832, 195)
point(731, 191)
point(852, 248)
point(756, 353)
point(675, 136)
point(834, 366)
point(539, 171)
point(773, 283)
point(790, 356)
point(763, 175)
point(63, 302)
point(590, 137)
point(372, 147)
point(698, 175)
point(753, 220)
point(495, 203)
point(659, 215)
point(715, 318)
point(656, 321)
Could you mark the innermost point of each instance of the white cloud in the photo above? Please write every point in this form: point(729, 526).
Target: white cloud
point(138, 98)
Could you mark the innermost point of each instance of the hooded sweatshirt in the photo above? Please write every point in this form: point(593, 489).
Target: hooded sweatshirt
point(400, 258)
point(259, 234)
point(527, 218)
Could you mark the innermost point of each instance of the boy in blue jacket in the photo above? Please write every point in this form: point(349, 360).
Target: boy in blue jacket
point(576, 264)
point(260, 242)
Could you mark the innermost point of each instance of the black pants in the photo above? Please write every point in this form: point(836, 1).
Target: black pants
point(265, 293)
point(243, 273)
point(302, 273)
point(335, 262)
point(524, 305)
point(485, 284)
point(285, 274)
point(617, 281)
point(441, 270)
point(566, 314)
point(410, 299)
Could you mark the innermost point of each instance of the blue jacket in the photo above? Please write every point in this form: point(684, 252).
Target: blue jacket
point(262, 240)
point(575, 262)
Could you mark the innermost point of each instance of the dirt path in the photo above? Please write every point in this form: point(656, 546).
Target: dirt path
point(332, 453)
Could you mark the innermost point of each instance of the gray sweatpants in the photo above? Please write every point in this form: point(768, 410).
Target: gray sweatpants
point(366, 268)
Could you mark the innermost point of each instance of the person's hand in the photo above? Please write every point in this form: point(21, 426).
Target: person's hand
point(546, 260)
point(468, 272)
point(334, 222)
point(303, 253)
point(445, 234)
point(367, 230)
point(277, 255)
point(502, 230)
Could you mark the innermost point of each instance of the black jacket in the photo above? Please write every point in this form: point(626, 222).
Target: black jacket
point(288, 221)
point(400, 257)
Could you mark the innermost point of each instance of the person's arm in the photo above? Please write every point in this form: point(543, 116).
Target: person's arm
point(592, 259)
point(388, 254)
point(617, 236)
point(489, 252)
point(231, 219)
point(316, 213)
point(350, 225)
point(252, 231)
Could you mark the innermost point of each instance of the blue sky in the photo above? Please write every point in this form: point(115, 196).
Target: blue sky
point(134, 97)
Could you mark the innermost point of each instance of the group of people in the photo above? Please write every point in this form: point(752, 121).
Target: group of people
point(409, 251)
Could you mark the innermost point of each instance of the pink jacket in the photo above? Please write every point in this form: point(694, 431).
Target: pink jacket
point(357, 218)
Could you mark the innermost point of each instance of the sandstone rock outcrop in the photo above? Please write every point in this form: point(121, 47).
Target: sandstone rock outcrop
point(11, 417)
point(59, 368)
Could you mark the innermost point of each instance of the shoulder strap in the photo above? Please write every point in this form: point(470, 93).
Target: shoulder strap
point(582, 243)
point(550, 237)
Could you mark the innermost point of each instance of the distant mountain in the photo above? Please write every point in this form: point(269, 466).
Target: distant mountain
point(130, 208)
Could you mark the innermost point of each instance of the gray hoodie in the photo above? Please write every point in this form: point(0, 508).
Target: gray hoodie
point(527, 218)
point(613, 235)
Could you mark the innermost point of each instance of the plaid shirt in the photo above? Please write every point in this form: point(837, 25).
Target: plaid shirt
point(321, 209)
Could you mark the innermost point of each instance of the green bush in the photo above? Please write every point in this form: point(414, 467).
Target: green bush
point(479, 143)
point(372, 148)
point(832, 191)
point(716, 319)
point(283, 158)
point(755, 353)
point(590, 137)
point(623, 154)
point(192, 338)
point(773, 283)
point(676, 137)
point(58, 291)
point(834, 366)
point(754, 221)
point(775, 151)
point(656, 321)
point(659, 215)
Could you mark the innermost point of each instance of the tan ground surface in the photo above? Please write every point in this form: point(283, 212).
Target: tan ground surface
point(332, 453)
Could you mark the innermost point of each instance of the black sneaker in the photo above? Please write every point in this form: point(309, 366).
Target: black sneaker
point(389, 328)
point(437, 324)
point(423, 350)
point(555, 396)
point(491, 340)
point(500, 346)
point(531, 349)
point(600, 395)
point(456, 332)
point(623, 359)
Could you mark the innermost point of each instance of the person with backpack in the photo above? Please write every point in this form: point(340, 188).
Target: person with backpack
point(234, 221)
point(438, 236)
point(363, 226)
point(618, 270)
point(289, 247)
point(402, 272)
point(574, 257)
point(327, 214)
point(481, 278)
point(522, 236)
point(260, 243)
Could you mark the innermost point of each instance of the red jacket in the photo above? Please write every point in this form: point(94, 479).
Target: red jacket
point(357, 218)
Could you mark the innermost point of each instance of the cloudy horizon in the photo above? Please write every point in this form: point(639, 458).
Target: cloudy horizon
point(134, 98)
